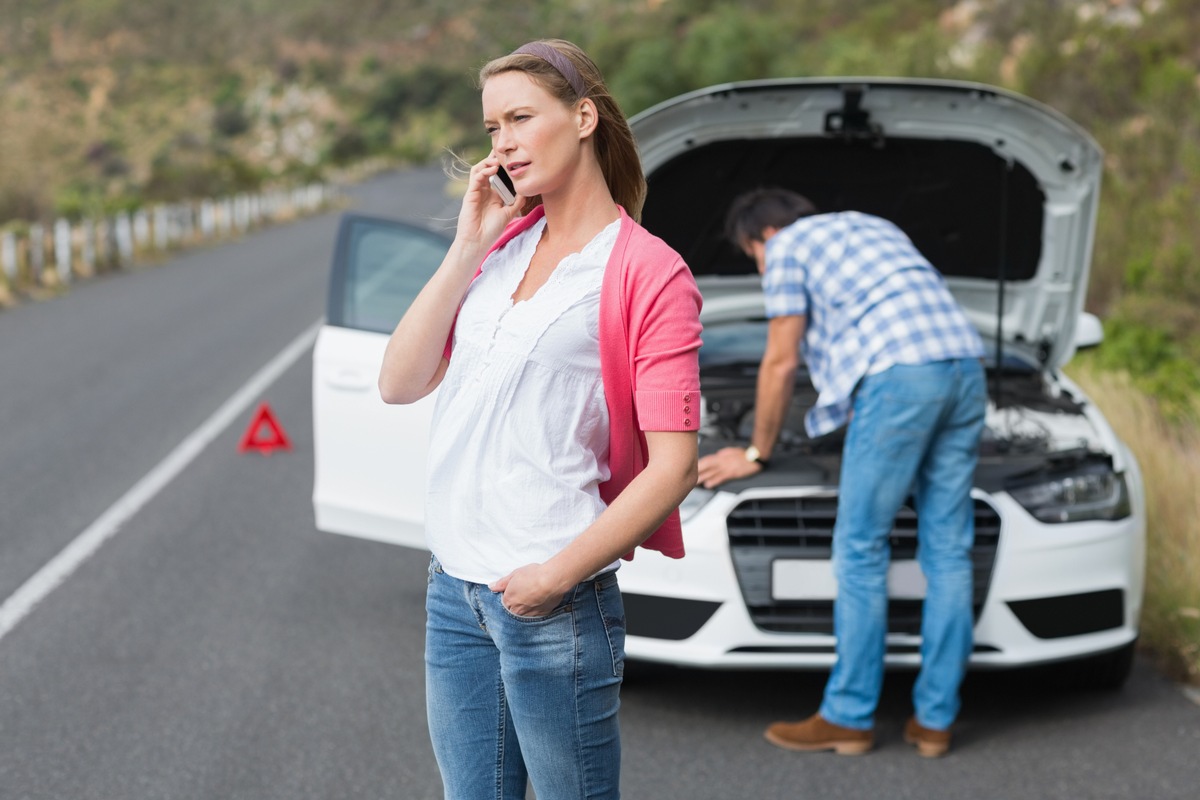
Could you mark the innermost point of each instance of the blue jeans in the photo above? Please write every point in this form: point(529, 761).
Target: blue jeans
point(914, 432)
point(511, 698)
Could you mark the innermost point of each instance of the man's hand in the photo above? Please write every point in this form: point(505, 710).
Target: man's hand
point(727, 464)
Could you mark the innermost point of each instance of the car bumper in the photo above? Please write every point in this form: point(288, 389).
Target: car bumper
point(1056, 592)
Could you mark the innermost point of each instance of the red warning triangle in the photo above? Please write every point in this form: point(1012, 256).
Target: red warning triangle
point(265, 433)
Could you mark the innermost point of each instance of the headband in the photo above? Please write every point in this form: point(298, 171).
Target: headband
point(556, 60)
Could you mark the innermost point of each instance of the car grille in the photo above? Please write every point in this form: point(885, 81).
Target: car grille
point(763, 530)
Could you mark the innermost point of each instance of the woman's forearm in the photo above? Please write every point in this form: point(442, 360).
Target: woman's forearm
point(634, 514)
point(638, 511)
point(412, 361)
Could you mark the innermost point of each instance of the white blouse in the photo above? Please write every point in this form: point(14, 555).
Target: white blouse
point(519, 442)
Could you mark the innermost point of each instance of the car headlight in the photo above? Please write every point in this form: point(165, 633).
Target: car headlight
point(1075, 498)
point(697, 499)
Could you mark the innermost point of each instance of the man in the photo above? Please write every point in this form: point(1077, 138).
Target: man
point(893, 356)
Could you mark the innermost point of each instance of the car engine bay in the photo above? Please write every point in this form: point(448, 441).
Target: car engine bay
point(1034, 426)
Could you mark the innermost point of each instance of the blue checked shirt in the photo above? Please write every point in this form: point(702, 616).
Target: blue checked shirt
point(872, 302)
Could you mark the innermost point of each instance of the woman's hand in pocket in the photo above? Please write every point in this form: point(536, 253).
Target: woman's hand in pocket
point(529, 591)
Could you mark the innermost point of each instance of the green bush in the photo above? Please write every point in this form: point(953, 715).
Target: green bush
point(19, 202)
point(79, 200)
point(348, 145)
point(177, 174)
point(1155, 359)
point(229, 115)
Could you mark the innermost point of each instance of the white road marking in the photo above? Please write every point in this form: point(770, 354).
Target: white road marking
point(92, 538)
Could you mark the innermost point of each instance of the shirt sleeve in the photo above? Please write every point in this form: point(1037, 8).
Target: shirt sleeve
point(784, 277)
point(666, 361)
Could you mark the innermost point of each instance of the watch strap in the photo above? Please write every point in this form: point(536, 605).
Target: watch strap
point(753, 454)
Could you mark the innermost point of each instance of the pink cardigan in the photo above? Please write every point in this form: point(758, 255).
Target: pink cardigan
point(649, 354)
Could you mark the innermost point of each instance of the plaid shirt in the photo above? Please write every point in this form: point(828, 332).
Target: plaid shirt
point(872, 301)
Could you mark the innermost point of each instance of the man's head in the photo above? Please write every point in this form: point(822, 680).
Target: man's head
point(757, 215)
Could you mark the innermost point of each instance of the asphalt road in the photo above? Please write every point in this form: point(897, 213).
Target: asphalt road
point(218, 646)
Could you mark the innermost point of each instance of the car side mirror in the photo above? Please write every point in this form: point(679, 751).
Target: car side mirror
point(1089, 332)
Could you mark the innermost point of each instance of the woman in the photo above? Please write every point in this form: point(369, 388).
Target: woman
point(564, 338)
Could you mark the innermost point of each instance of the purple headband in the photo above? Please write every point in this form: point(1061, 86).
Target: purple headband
point(556, 60)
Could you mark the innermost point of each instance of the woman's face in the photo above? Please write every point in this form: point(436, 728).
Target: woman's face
point(534, 135)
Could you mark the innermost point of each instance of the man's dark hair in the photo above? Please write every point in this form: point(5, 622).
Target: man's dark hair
point(758, 209)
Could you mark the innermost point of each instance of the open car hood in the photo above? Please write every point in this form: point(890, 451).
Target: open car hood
point(998, 191)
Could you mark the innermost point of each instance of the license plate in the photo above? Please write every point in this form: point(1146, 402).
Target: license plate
point(793, 579)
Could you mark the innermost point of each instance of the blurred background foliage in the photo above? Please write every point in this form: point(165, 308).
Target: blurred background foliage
point(108, 104)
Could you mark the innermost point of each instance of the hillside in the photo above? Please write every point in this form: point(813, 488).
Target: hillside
point(113, 103)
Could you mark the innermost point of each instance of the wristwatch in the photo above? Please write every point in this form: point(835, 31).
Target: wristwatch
point(752, 454)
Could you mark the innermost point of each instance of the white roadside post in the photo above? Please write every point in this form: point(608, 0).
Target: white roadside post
point(87, 249)
point(37, 252)
point(106, 238)
point(226, 216)
point(124, 236)
point(141, 231)
point(62, 249)
point(8, 257)
point(161, 233)
point(207, 221)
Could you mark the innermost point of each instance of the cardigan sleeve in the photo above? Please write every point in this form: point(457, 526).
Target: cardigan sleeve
point(665, 323)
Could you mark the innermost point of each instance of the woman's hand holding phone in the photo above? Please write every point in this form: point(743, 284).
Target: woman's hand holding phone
point(484, 213)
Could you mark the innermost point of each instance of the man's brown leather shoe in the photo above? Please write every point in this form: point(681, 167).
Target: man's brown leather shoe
point(817, 733)
point(930, 743)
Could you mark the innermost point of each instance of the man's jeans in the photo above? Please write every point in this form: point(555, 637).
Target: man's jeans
point(511, 698)
point(914, 432)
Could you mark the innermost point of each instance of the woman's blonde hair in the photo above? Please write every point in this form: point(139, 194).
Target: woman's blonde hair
point(616, 149)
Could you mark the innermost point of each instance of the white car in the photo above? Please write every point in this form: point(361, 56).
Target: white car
point(1000, 193)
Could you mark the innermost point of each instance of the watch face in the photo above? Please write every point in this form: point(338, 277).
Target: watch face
point(752, 453)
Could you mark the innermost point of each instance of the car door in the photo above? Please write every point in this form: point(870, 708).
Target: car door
point(370, 457)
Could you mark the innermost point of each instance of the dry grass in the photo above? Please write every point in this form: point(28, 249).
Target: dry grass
point(1169, 455)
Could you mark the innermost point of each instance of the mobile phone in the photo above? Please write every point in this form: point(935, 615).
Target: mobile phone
point(504, 187)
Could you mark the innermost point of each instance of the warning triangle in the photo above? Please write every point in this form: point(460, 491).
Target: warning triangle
point(265, 434)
